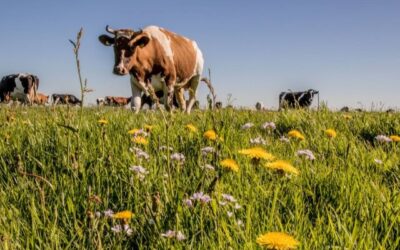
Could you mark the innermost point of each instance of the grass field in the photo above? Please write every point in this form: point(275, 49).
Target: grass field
point(61, 175)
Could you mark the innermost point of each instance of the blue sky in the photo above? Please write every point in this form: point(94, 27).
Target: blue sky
point(349, 50)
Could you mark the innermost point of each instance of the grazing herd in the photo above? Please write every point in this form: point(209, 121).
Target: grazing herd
point(162, 65)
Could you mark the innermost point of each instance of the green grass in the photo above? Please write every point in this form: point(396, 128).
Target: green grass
point(49, 169)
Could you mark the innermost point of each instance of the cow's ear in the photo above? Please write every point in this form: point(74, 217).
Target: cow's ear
point(140, 40)
point(106, 40)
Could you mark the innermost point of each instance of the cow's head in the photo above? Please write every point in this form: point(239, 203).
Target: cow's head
point(126, 43)
point(312, 92)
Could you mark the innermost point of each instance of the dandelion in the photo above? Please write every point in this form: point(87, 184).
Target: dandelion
point(207, 150)
point(257, 153)
point(258, 140)
point(134, 131)
point(210, 135)
point(228, 197)
point(307, 153)
point(102, 122)
point(247, 126)
point(124, 215)
point(296, 134)
point(330, 133)
point(191, 128)
point(395, 138)
point(282, 166)
point(382, 138)
point(268, 125)
point(230, 165)
point(178, 157)
point(140, 140)
point(277, 240)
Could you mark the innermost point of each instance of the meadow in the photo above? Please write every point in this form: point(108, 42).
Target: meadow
point(64, 176)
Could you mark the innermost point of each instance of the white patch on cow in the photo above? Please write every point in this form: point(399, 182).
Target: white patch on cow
point(136, 101)
point(301, 96)
point(156, 33)
point(18, 92)
point(198, 69)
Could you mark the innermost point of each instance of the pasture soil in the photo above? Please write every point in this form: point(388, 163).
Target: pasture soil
point(60, 171)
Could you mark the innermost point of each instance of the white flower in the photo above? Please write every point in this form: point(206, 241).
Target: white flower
point(229, 213)
point(166, 148)
point(247, 125)
point(128, 230)
point(258, 140)
point(237, 206)
point(284, 139)
point(108, 213)
point(116, 228)
point(207, 150)
point(268, 125)
point(223, 203)
point(306, 152)
point(179, 157)
point(98, 214)
point(382, 138)
point(139, 170)
point(239, 223)
point(200, 196)
point(169, 234)
point(228, 197)
point(188, 202)
point(208, 167)
point(140, 153)
point(378, 161)
point(180, 236)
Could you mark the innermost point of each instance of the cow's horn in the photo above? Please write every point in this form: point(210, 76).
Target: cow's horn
point(109, 30)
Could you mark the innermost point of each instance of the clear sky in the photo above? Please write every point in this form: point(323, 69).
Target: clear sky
point(349, 50)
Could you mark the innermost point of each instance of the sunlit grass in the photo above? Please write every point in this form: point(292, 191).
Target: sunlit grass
point(60, 183)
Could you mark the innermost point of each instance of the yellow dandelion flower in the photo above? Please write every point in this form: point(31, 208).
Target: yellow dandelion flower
point(140, 140)
point(210, 135)
point(123, 215)
point(102, 121)
point(191, 128)
point(148, 128)
point(395, 138)
point(330, 133)
point(296, 134)
point(230, 164)
point(282, 166)
point(134, 131)
point(277, 240)
point(257, 153)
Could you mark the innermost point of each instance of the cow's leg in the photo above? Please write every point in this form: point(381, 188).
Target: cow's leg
point(136, 101)
point(169, 83)
point(193, 84)
point(179, 94)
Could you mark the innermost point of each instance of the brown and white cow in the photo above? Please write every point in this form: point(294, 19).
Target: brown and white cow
point(116, 100)
point(41, 99)
point(22, 87)
point(159, 59)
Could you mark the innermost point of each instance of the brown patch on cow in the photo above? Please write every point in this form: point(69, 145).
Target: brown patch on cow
point(117, 100)
point(184, 55)
point(41, 99)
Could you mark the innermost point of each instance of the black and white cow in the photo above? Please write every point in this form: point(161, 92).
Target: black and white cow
point(65, 99)
point(300, 99)
point(22, 87)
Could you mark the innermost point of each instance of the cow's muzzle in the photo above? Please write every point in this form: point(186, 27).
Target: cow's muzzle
point(120, 70)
